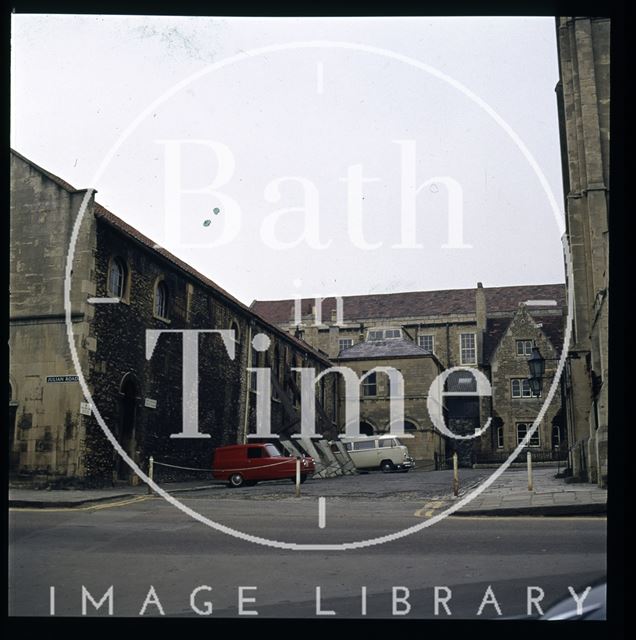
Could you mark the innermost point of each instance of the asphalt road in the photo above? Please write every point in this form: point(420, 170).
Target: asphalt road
point(146, 542)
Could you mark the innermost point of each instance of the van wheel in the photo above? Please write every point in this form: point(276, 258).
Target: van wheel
point(236, 480)
point(303, 477)
point(386, 466)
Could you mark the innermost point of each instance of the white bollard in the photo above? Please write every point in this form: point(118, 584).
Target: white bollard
point(298, 477)
point(151, 467)
point(455, 475)
point(529, 459)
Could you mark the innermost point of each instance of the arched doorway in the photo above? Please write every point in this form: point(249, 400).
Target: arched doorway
point(462, 414)
point(126, 436)
point(366, 429)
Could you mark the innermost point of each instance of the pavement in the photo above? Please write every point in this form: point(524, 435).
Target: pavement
point(64, 498)
point(508, 496)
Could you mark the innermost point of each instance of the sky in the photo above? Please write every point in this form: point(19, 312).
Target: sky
point(287, 157)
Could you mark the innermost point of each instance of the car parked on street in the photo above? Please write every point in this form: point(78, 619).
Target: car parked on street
point(248, 464)
point(384, 452)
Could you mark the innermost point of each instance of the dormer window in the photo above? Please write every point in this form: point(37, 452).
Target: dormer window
point(383, 334)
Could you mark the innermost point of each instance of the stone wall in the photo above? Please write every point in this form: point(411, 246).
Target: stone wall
point(418, 373)
point(119, 333)
point(119, 349)
point(584, 108)
point(446, 332)
point(139, 399)
point(507, 365)
point(47, 432)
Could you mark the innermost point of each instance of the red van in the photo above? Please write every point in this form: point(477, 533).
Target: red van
point(248, 464)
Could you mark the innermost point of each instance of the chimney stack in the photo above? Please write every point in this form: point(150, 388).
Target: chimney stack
point(480, 307)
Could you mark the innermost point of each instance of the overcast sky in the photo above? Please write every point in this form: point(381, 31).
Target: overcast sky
point(295, 121)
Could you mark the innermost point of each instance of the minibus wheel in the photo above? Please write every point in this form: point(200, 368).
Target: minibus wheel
point(386, 466)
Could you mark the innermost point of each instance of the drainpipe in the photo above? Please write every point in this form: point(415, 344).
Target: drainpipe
point(248, 382)
point(448, 347)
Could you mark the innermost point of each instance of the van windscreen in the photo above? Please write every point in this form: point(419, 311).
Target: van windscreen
point(273, 451)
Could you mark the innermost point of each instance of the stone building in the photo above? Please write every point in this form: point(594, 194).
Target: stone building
point(136, 379)
point(137, 389)
point(388, 347)
point(514, 405)
point(479, 328)
point(583, 97)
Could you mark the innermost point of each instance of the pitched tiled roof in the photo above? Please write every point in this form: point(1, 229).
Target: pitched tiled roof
point(391, 348)
point(416, 303)
point(101, 213)
point(554, 329)
point(495, 329)
point(108, 216)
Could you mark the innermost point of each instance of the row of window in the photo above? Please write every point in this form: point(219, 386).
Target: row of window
point(362, 445)
point(278, 381)
point(117, 282)
point(468, 348)
point(384, 334)
point(520, 388)
point(522, 429)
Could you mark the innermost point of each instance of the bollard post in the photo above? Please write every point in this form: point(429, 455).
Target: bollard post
point(529, 459)
point(455, 475)
point(298, 477)
point(151, 466)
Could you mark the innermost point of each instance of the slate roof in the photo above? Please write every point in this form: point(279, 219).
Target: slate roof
point(554, 329)
point(391, 348)
point(417, 303)
point(101, 213)
point(495, 329)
